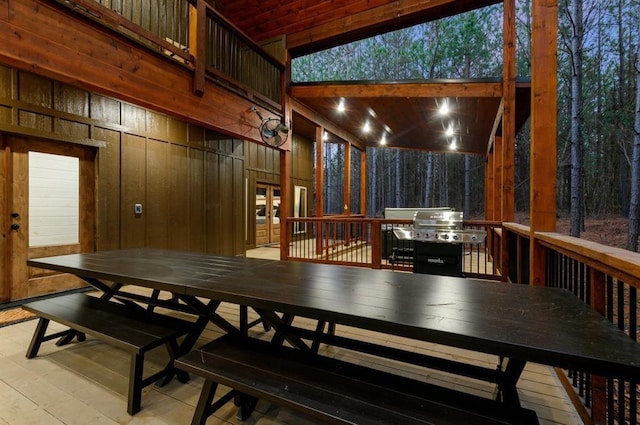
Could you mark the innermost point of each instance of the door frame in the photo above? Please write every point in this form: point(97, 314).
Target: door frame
point(269, 215)
point(18, 280)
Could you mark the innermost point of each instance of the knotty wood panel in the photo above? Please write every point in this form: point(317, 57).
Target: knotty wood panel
point(5, 82)
point(212, 205)
point(226, 217)
point(133, 189)
point(5, 289)
point(157, 190)
point(108, 182)
point(70, 99)
point(178, 204)
point(197, 222)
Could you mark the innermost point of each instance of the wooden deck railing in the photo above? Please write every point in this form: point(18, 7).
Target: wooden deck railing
point(369, 242)
point(196, 36)
point(605, 278)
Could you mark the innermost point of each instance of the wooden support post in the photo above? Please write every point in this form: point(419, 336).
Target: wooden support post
point(509, 111)
point(5, 291)
point(197, 44)
point(543, 130)
point(319, 185)
point(285, 202)
point(599, 384)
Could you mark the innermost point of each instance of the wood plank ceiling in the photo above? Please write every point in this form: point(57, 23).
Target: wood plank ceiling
point(407, 109)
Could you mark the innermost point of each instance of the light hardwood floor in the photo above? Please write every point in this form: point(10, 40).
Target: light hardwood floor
point(86, 383)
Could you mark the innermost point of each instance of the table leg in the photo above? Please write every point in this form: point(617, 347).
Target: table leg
point(506, 390)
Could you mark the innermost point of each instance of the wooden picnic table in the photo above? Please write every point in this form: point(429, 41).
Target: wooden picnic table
point(517, 323)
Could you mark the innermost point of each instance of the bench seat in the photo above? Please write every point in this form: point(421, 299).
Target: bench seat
point(330, 390)
point(132, 329)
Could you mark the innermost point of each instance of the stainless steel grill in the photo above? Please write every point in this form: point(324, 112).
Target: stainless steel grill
point(438, 241)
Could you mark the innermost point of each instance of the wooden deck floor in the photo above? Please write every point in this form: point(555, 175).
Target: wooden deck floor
point(86, 383)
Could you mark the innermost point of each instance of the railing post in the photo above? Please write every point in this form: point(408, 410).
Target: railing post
point(598, 383)
point(197, 44)
point(376, 245)
point(504, 256)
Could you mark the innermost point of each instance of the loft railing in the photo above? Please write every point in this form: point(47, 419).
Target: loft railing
point(365, 242)
point(196, 36)
point(605, 278)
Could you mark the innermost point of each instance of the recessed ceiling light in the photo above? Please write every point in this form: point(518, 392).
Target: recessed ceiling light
point(383, 139)
point(325, 136)
point(340, 107)
point(444, 108)
point(366, 127)
point(449, 131)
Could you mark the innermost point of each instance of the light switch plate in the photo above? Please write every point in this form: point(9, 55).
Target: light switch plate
point(137, 208)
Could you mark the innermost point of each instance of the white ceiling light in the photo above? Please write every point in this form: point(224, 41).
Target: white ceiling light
point(449, 131)
point(444, 108)
point(366, 127)
point(340, 107)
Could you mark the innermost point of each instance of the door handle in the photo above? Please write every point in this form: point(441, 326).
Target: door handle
point(15, 227)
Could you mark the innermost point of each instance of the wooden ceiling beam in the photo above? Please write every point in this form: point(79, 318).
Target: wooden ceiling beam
point(327, 124)
point(413, 90)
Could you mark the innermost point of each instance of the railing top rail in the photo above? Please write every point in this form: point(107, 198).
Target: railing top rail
point(384, 220)
point(517, 228)
point(616, 262)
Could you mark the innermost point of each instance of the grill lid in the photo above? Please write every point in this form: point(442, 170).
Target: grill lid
point(440, 227)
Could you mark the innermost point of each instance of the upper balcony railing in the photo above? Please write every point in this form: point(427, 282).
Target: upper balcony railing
point(196, 36)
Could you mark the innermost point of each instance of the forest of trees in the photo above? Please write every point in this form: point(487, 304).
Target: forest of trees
point(598, 108)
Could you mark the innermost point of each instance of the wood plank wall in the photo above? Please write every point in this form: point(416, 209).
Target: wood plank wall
point(190, 180)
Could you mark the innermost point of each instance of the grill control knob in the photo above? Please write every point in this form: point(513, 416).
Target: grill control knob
point(445, 236)
point(455, 237)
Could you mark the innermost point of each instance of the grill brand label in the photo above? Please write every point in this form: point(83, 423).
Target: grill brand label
point(435, 260)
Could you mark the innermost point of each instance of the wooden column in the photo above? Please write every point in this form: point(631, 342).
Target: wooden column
point(346, 183)
point(319, 171)
point(543, 130)
point(319, 185)
point(285, 202)
point(4, 219)
point(599, 384)
point(509, 111)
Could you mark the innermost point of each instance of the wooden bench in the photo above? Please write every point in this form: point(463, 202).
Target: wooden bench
point(330, 390)
point(134, 330)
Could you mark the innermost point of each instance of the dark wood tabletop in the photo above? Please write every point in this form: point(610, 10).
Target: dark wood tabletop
point(542, 325)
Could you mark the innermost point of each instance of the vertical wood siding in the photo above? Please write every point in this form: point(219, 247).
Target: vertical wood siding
point(190, 180)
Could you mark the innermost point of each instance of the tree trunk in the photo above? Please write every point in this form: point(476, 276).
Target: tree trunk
point(373, 195)
point(634, 210)
point(577, 173)
point(466, 210)
point(428, 181)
